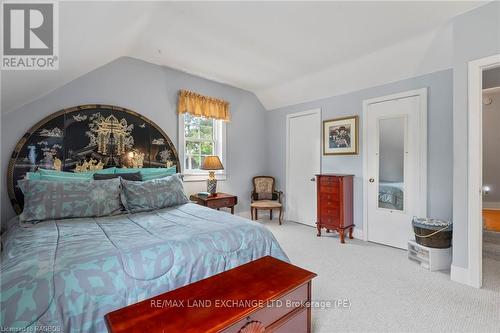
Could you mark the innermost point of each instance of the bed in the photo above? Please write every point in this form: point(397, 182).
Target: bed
point(64, 275)
point(70, 273)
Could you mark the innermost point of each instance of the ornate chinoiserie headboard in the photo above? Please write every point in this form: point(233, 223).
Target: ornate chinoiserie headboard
point(87, 137)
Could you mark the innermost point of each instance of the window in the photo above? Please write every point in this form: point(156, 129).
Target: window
point(200, 137)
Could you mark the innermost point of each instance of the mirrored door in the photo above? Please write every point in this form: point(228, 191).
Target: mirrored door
point(393, 170)
point(391, 162)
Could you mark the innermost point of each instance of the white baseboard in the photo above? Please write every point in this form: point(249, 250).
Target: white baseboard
point(357, 233)
point(491, 205)
point(460, 274)
point(245, 214)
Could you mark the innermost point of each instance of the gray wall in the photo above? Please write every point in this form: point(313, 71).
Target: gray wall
point(491, 78)
point(491, 142)
point(476, 35)
point(440, 157)
point(152, 91)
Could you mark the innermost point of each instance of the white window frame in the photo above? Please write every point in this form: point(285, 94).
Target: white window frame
point(220, 150)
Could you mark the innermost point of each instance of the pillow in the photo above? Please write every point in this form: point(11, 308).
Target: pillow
point(33, 175)
point(64, 176)
point(44, 200)
point(106, 171)
point(158, 173)
point(153, 194)
point(150, 173)
point(133, 176)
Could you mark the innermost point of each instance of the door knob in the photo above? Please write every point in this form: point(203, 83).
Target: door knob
point(371, 180)
point(313, 179)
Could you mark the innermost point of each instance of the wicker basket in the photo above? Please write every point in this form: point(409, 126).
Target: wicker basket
point(433, 232)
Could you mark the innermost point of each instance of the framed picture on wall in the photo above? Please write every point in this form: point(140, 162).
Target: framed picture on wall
point(340, 136)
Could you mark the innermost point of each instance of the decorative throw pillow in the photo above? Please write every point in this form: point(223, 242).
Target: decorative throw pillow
point(33, 175)
point(133, 176)
point(149, 173)
point(44, 200)
point(65, 176)
point(153, 194)
point(62, 176)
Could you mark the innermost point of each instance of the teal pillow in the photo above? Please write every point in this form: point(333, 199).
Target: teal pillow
point(127, 170)
point(107, 171)
point(33, 175)
point(150, 173)
point(64, 176)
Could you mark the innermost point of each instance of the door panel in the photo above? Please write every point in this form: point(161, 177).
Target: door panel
point(392, 141)
point(392, 187)
point(304, 142)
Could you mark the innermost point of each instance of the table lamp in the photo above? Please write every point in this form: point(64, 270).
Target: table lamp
point(211, 163)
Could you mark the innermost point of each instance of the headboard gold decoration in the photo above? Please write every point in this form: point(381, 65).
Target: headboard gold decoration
point(135, 159)
point(90, 165)
point(203, 106)
point(87, 138)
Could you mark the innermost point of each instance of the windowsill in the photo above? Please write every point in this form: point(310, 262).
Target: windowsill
point(201, 177)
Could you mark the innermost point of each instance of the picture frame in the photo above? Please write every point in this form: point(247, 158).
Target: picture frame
point(341, 136)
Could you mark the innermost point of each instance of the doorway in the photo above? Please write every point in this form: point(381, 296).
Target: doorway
point(395, 164)
point(491, 178)
point(473, 275)
point(303, 162)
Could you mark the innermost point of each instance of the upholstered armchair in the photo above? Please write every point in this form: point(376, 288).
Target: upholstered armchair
point(265, 197)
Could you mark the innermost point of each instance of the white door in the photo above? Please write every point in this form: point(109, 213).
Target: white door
point(303, 163)
point(392, 182)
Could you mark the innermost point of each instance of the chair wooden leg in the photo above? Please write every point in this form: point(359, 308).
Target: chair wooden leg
point(256, 214)
point(270, 214)
point(281, 213)
point(251, 212)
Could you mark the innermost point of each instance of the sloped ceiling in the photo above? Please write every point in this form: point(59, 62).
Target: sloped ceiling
point(284, 52)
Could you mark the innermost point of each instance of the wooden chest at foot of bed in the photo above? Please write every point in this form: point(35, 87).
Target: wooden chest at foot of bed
point(264, 295)
point(335, 203)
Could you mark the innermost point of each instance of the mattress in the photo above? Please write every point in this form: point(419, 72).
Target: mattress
point(67, 274)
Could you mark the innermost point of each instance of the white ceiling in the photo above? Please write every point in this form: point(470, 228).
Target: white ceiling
point(285, 52)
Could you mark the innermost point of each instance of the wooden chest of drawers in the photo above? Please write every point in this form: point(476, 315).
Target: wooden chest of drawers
point(335, 203)
point(264, 295)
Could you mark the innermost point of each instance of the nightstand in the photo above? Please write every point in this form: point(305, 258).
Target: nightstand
point(217, 201)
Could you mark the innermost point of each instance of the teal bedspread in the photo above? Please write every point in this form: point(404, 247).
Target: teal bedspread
point(65, 275)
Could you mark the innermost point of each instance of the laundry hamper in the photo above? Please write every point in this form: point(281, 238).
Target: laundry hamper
point(433, 233)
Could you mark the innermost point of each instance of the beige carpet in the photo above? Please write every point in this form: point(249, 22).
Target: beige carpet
point(387, 292)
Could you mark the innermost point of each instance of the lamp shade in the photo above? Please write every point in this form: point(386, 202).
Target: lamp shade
point(212, 163)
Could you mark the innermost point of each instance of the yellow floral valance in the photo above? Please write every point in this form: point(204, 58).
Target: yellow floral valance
point(203, 106)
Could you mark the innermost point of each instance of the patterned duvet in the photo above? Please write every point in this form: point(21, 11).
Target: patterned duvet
point(65, 275)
